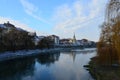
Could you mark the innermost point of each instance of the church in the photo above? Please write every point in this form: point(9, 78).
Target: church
point(73, 41)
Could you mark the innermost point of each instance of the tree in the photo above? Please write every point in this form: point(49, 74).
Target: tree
point(14, 39)
point(45, 43)
point(109, 43)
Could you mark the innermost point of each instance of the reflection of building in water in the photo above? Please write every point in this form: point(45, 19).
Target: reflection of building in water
point(76, 52)
point(73, 55)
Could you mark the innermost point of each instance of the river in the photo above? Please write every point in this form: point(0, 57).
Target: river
point(50, 66)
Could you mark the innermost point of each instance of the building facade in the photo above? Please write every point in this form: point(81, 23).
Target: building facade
point(55, 39)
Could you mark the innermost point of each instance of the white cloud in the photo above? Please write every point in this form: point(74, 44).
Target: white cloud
point(62, 12)
point(97, 7)
point(70, 18)
point(32, 10)
point(29, 7)
point(77, 6)
point(40, 33)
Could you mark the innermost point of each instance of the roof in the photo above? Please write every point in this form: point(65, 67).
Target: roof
point(54, 36)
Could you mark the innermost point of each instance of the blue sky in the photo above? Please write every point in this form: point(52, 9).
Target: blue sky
point(60, 17)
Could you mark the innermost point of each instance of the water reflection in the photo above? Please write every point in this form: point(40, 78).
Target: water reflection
point(73, 53)
point(15, 69)
point(48, 58)
point(49, 66)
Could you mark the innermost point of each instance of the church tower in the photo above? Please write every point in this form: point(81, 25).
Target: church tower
point(74, 39)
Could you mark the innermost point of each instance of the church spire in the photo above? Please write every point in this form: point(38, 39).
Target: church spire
point(74, 39)
point(74, 36)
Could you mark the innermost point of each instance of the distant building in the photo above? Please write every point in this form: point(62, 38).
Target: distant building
point(37, 39)
point(74, 40)
point(2, 26)
point(65, 41)
point(55, 38)
point(9, 25)
point(32, 33)
point(84, 41)
point(79, 42)
point(69, 41)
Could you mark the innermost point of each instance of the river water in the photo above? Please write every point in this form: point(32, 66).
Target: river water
point(50, 66)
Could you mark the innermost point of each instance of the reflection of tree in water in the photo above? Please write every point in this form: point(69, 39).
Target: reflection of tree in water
point(16, 69)
point(75, 52)
point(48, 58)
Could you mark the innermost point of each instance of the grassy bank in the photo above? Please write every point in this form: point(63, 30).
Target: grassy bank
point(103, 72)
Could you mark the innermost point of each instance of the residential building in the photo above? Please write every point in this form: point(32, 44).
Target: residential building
point(37, 39)
point(55, 38)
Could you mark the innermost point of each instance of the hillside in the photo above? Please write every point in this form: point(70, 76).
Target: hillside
point(13, 38)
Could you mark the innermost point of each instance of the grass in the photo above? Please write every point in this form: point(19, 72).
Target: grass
point(103, 72)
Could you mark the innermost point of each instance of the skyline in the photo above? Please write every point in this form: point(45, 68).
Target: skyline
point(61, 18)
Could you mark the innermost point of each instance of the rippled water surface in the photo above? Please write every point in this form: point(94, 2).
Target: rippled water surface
point(49, 66)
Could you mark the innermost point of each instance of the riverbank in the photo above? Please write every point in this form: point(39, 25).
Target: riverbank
point(24, 53)
point(9, 55)
point(27, 53)
point(103, 72)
